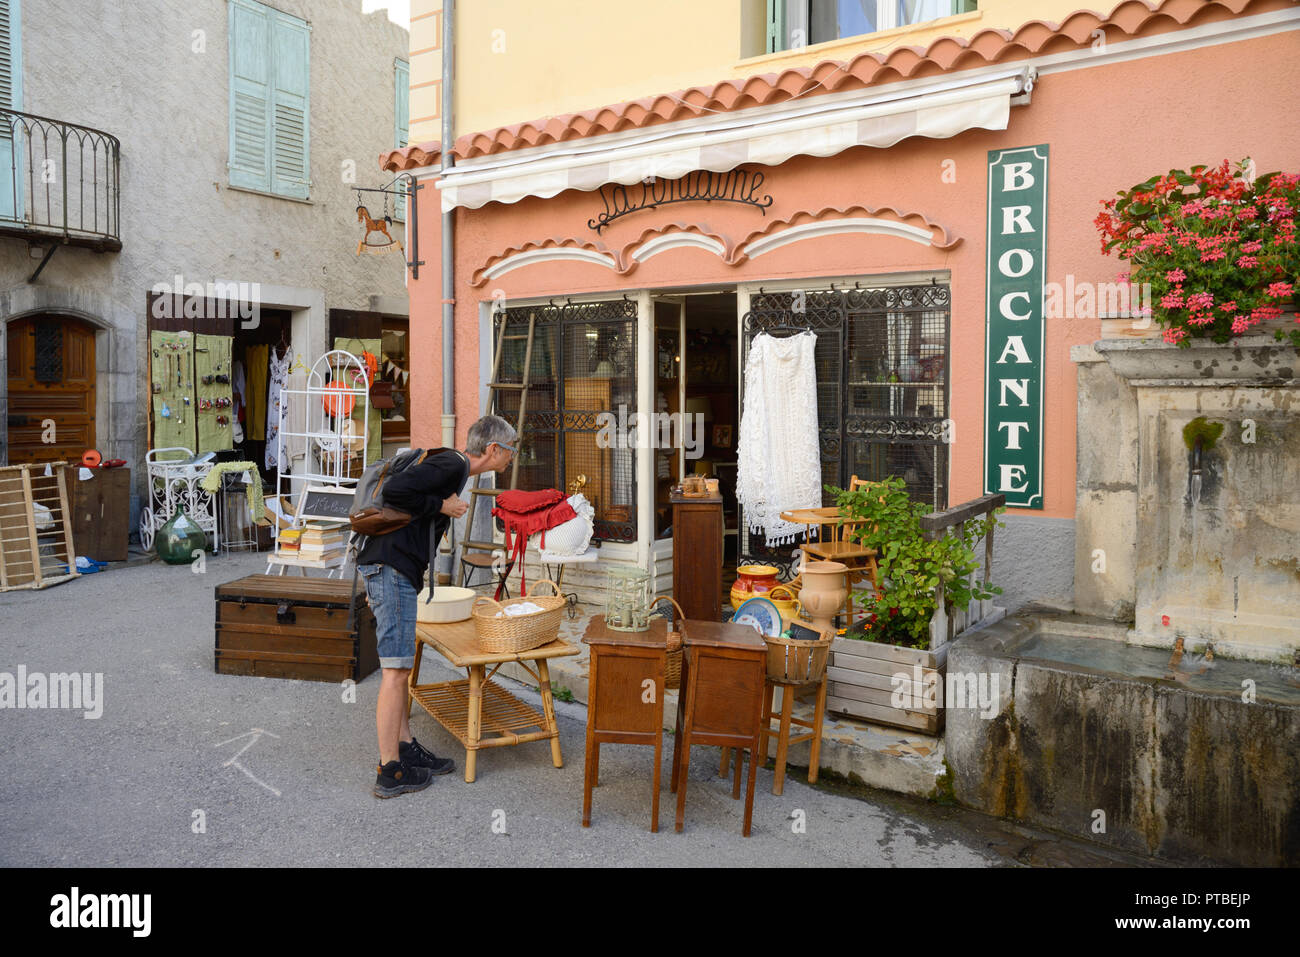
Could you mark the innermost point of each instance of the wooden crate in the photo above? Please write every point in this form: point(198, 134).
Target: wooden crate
point(861, 683)
point(36, 545)
point(288, 627)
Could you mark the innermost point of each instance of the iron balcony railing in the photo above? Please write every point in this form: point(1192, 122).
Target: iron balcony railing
point(59, 181)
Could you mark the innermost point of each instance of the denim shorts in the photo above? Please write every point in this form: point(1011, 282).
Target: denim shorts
point(393, 600)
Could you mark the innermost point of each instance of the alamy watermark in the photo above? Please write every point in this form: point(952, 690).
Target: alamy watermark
point(223, 299)
point(1090, 300)
point(651, 430)
point(922, 689)
point(57, 691)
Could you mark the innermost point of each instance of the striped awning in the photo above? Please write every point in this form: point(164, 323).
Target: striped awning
point(817, 126)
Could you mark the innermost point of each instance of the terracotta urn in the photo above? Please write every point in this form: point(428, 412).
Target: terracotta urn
point(823, 592)
point(752, 580)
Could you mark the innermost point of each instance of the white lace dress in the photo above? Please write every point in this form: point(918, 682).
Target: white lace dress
point(779, 460)
point(278, 377)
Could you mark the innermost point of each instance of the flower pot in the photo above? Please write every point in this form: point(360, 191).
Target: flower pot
point(887, 684)
point(823, 592)
point(752, 580)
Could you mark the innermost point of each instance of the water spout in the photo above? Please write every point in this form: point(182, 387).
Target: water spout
point(1194, 478)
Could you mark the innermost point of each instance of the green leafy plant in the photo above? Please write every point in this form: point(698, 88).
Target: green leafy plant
point(560, 693)
point(911, 566)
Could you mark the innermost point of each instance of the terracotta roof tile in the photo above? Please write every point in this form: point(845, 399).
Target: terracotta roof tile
point(946, 54)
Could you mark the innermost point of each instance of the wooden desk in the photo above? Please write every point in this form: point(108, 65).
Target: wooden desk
point(724, 671)
point(626, 699)
point(469, 706)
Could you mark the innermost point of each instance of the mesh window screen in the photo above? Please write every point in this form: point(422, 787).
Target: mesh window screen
point(583, 364)
point(882, 386)
point(49, 350)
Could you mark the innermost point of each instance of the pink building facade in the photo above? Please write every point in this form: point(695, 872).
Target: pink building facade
point(874, 201)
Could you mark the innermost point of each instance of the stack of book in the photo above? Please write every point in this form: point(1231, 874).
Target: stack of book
point(323, 541)
point(289, 540)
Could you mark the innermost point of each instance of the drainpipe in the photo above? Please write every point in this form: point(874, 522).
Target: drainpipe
point(448, 238)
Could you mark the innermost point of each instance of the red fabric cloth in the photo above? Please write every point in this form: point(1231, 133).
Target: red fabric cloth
point(528, 513)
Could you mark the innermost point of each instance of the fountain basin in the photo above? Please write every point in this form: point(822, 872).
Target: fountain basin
point(1188, 760)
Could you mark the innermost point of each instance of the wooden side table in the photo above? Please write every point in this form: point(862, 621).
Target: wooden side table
point(724, 672)
point(697, 556)
point(468, 707)
point(625, 699)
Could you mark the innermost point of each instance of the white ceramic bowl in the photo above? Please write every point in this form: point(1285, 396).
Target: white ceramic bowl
point(449, 604)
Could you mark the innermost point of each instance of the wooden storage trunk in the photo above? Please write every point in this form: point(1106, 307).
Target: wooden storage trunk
point(861, 683)
point(282, 627)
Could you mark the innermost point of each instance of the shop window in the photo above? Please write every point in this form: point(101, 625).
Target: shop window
point(583, 364)
point(395, 369)
point(882, 386)
point(798, 23)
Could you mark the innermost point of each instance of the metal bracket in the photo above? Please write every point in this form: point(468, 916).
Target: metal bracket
point(48, 254)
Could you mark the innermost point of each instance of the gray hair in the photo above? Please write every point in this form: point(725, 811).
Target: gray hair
point(486, 431)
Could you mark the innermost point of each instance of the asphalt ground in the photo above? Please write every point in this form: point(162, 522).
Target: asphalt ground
point(186, 767)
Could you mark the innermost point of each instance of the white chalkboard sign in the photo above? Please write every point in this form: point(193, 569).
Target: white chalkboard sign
point(328, 503)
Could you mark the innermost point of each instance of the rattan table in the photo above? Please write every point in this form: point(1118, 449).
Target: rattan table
point(476, 706)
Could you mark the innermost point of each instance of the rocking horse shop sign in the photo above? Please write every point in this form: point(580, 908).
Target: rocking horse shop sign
point(1013, 346)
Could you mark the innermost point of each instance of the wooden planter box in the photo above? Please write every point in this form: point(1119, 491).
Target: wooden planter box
point(861, 683)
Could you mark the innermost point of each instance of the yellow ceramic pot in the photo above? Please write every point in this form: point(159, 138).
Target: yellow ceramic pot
point(787, 603)
point(752, 580)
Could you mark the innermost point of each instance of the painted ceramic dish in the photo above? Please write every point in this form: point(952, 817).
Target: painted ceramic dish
point(762, 613)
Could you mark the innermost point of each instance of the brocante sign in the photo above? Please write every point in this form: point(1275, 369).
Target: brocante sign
point(1013, 347)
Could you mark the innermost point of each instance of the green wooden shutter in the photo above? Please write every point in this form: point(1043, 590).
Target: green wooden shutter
point(402, 112)
point(775, 25)
point(250, 96)
point(11, 74)
point(291, 57)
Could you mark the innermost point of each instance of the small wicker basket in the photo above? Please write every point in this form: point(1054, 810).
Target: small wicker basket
point(673, 666)
point(792, 660)
point(507, 634)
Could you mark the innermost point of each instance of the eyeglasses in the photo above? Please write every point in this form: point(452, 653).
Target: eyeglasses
point(509, 448)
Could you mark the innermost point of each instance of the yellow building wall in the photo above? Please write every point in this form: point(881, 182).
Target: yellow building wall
point(519, 60)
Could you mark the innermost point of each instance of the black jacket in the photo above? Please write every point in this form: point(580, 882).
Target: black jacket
point(419, 490)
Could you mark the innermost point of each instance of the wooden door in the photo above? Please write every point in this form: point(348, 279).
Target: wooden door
point(51, 388)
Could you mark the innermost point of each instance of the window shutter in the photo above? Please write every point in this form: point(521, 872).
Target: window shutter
point(290, 55)
point(775, 25)
point(402, 135)
point(11, 203)
point(250, 96)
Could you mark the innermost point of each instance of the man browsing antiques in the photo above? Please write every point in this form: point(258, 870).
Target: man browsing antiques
point(393, 566)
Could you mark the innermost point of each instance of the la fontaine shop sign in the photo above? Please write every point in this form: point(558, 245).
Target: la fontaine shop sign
point(1013, 346)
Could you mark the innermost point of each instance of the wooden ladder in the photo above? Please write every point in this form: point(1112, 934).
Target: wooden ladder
point(492, 406)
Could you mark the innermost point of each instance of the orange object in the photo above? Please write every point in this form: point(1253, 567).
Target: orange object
point(372, 365)
point(752, 580)
point(339, 404)
point(91, 458)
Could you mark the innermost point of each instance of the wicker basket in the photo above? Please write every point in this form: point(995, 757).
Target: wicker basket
point(508, 634)
point(673, 666)
point(792, 660)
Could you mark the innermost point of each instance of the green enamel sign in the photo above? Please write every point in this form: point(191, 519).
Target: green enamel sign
point(1013, 344)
